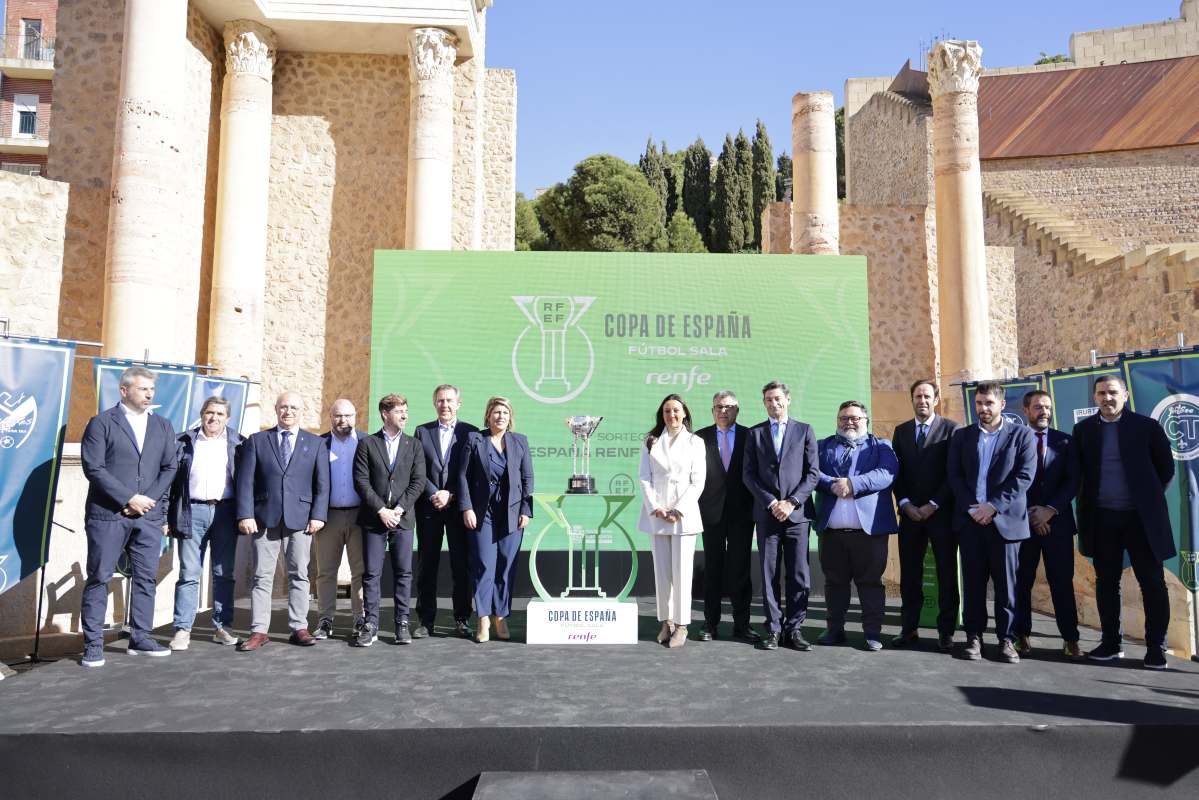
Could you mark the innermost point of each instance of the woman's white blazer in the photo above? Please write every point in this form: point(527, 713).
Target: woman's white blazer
point(672, 476)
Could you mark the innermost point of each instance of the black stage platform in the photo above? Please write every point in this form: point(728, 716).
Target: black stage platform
point(424, 721)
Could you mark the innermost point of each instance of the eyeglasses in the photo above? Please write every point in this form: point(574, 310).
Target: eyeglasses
point(724, 408)
point(854, 420)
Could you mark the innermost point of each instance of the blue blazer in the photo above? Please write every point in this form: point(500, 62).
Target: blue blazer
point(116, 470)
point(179, 515)
point(1148, 468)
point(1058, 484)
point(1013, 464)
point(440, 474)
point(872, 476)
point(474, 487)
point(274, 495)
point(792, 476)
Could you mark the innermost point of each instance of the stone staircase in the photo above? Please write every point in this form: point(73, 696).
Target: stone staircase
point(1071, 245)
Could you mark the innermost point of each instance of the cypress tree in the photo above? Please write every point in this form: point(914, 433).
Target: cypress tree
point(728, 230)
point(744, 161)
point(782, 178)
point(651, 167)
point(763, 179)
point(697, 188)
point(672, 164)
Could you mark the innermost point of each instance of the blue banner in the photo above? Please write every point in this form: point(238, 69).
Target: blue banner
point(233, 390)
point(1014, 390)
point(35, 387)
point(172, 391)
point(1073, 393)
point(1166, 387)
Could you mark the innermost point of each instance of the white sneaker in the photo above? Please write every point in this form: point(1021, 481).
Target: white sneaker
point(180, 640)
point(222, 636)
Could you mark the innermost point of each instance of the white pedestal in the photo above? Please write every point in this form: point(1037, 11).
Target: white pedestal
point(582, 622)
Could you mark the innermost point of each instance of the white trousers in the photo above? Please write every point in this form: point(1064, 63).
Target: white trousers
point(674, 559)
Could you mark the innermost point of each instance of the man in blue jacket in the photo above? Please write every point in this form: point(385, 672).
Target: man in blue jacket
point(854, 517)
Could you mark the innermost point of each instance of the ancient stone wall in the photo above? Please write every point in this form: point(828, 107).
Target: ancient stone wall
point(499, 159)
point(1126, 199)
point(776, 228)
point(469, 86)
point(1148, 42)
point(33, 217)
point(1001, 290)
point(339, 143)
point(889, 153)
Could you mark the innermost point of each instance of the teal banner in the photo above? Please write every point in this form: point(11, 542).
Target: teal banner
point(1073, 393)
point(35, 386)
point(1014, 390)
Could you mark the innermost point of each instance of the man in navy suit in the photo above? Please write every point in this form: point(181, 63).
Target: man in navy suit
point(991, 467)
point(781, 470)
point(1051, 517)
point(1125, 463)
point(855, 517)
point(726, 510)
point(128, 458)
point(437, 519)
point(282, 500)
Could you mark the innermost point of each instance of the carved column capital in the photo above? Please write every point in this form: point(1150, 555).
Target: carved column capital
point(249, 49)
point(954, 66)
point(432, 52)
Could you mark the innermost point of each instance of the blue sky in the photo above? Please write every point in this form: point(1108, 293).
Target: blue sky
point(601, 76)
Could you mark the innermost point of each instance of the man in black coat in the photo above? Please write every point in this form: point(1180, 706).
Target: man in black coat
point(1126, 463)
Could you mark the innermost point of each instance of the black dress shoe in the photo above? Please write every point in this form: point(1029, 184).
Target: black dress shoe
point(945, 643)
point(797, 641)
point(746, 634)
point(771, 642)
point(462, 629)
point(905, 639)
point(706, 634)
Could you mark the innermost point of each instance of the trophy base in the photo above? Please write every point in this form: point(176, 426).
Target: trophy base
point(581, 484)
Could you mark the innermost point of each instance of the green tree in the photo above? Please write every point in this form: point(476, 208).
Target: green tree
point(672, 165)
point(606, 205)
point(682, 236)
point(763, 179)
point(1057, 58)
point(697, 187)
point(745, 189)
point(653, 168)
point(782, 178)
point(839, 123)
point(528, 229)
point(728, 230)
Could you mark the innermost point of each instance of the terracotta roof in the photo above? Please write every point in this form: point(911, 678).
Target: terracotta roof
point(1089, 110)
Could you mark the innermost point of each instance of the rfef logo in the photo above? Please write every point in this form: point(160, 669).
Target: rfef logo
point(1178, 414)
point(565, 362)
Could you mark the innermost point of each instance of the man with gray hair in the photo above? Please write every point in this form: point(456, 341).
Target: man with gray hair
point(128, 458)
point(201, 517)
point(726, 509)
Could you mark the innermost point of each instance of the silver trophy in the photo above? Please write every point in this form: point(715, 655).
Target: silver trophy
point(581, 481)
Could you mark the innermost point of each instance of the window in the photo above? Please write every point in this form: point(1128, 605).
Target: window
point(24, 116)
point(31, 30)
point(21, 169)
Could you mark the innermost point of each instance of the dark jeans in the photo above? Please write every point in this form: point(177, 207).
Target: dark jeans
point(726, 569)
point(399, 543)
point(1058, 550)
point(914, 539)
point(431, 531)
point(1119, 532)
point(106, 540)
point(860, 557)
point(988, 556)
point(793, 538)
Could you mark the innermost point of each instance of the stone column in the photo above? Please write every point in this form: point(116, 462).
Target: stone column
point(236, 314)
point(431, 140)
point(145, 209)
point(965, 322)
point(815, 221)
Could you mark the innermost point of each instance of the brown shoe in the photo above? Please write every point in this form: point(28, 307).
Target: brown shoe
point(664, 635)
point(1023, 645)
point(302, 637)
point(255, 641)
point(501, 629)
point(1072, 650)
point(679, 637)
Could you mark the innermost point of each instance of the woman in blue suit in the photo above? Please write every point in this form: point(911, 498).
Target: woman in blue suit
point(495, 495)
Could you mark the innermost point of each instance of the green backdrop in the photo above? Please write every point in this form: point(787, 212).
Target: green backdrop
point(611, 334)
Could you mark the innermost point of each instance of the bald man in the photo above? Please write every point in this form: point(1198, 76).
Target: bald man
point(342, 533)
point(282, 500)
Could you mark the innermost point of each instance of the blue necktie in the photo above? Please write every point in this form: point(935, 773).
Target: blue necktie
point(285, 448)
point(776, 435)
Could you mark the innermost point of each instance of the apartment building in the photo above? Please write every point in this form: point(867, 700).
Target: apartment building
point(26, 78)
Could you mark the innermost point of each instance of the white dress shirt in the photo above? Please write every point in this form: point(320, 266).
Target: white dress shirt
point(208, 478)
point(445, 435)
point(845, 510)
point(137, 420)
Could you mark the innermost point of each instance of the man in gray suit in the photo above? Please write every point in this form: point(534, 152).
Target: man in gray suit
point(282, 500)
point(128, 458)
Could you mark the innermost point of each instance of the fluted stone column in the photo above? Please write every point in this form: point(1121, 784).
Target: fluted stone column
point(815, 220)
point(965, 332)
point(145, 209)
point(431, 140)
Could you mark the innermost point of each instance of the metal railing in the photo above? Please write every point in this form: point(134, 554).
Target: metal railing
point(27, 125)
point(27, 47)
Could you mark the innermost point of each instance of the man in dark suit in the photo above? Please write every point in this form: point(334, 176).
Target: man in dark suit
point(1125, 463)
point(991, 467)
point(1051, 517)
point(128, 458)
point(282, 500)
point(389, 475)
point(437, 519)
point(781, 470)
point(726, 509)
point(925, 516)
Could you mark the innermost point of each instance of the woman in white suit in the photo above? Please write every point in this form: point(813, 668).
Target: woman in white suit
point(673, 467)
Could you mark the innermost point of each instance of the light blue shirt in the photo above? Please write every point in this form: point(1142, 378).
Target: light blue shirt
point(778, 430)
point(986, 448)
point(292, 436)
point(341, 471)
point(445, 435)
